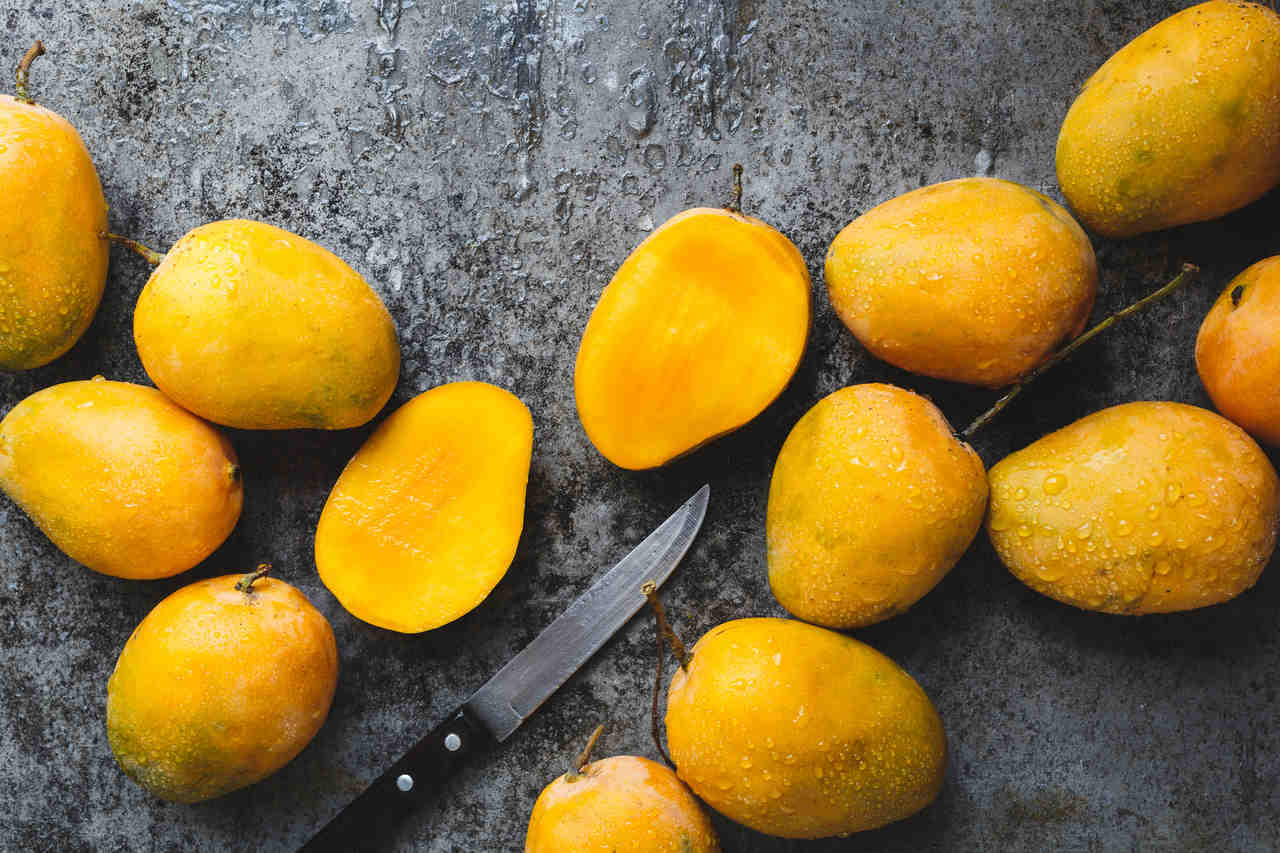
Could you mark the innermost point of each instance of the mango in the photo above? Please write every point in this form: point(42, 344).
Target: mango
point(1237, 353)
point(221, 685)
point(797, 731)
point(623, 804)
point(1180, 125)
point(975, 280)
point(252, 327)
point(701, 328)
point(1140, 508)
point(119, 478)
point(424, 520)
point(873, 500)
point(53, 246)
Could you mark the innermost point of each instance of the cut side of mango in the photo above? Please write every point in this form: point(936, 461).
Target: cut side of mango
point(425, 519)
point(701, 328)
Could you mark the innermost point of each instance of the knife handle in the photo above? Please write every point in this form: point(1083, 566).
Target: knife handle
point(417, 776)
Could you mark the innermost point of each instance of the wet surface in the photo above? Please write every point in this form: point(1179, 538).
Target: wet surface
point(487, 167)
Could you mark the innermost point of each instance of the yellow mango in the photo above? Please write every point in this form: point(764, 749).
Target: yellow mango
point(873, 500)
point(1237, 353)
point(425, 519)
point(975, 280)
point(699, 331)
point(1180, 125)
point(53, 247)
point(801, 732)
point(253, 327)
point(221, 685)
point(1139, 508)
point(623, 804)
point(118, 477)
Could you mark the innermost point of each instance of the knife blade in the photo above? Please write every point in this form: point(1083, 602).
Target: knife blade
point(507, 699)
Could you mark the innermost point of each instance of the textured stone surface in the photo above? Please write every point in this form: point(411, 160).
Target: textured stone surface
point(487, 166)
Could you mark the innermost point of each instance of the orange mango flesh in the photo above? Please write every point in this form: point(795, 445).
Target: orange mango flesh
point(623, 804)
point(217, 689)
point(1180, 125)
point(121, 479)
point(1140, 508)
point(253, 327)
point(425, 519)
point(975, 280)
point(873, 500)
point(53, 250)
point(1238, 350)
point(800, 732)
point(699, 331)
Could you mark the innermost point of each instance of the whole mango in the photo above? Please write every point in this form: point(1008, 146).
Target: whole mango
point(873, 500)
point(118, 477)
point(1180, 125)
point(797, 731)
point(221, 685)
point(253, 327)
point(1238, 350)
point(1139, 508)
point(975, 280)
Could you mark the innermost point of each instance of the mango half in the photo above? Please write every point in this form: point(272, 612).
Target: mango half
point(1180, 125)
point(425, 519)
point(699, 331)
point(1139, 508)
point(252, 327)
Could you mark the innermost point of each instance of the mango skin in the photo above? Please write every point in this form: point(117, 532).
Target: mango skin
point(1139, 508)
point(253, 327)
point(700, 329)
point(119, 478)
point(800, 732)
point(217, 689)
point(1237, 351)
point(53, 249)
point(426, 517)
point(623, 804)
point(1180, 125)
point(976, 280)
point(873, 500)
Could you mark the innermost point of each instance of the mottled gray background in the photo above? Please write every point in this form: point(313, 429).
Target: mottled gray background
point(487, 166)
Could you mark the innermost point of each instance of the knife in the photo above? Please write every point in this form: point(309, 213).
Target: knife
point(505, 701)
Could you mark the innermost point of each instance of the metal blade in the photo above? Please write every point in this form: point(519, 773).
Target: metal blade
point(530, 677)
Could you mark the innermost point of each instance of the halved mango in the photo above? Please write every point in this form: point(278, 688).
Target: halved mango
point(699, 331)
point(424, 520)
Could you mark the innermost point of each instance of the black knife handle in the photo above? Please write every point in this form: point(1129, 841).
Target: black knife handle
point(416, 777)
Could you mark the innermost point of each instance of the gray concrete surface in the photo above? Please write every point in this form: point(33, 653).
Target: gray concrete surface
point(487, 166)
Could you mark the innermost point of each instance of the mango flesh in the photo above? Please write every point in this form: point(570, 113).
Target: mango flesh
point(119, 478)
point(1139, 508)
point(975, 280)
point(253, 327)
point(873, 500)
point(797, 731)
point(217, 689)
point(699, 331)
point(623, 804)
point(53, 249)
point(1238, 350)
point(1180, 125)
point(425, 519)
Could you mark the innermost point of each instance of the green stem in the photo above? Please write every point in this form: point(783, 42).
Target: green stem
point(735, 206)
point(245, 584)
point(24, 69)
point(1188, 270)
point(151, 256)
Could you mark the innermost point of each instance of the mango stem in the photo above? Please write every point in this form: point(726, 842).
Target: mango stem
point(584, 758)
point(735, 205)
point(650, 591)
point(151, 256)
point(1185, 275)
point(245, 584)
point(24, 68)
